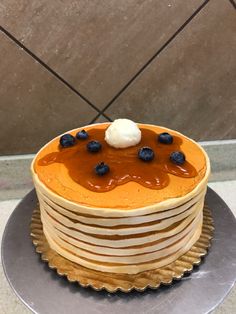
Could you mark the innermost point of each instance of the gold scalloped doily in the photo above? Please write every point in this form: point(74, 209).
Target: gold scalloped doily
point(124, 282)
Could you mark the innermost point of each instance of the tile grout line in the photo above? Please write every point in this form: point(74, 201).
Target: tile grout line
point(233, 3)
point(49, 69)
point(152, 58)
point(100, 114)
point(96, 117)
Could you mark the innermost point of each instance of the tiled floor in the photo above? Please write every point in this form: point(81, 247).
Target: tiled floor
point(164, 62)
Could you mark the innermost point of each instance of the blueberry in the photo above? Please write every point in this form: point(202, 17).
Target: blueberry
point(82, 135)
point(102, 169)
point(67, 140)
point(146, 154)
point(94, 146)
point(177, 158)
point(165, 138)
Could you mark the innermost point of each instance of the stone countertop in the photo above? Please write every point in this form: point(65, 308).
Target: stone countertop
point(10, 304)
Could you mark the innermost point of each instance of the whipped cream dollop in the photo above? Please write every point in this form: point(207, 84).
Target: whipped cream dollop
point(123, 133)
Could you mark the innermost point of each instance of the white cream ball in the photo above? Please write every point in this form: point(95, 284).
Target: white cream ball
point(123, 133)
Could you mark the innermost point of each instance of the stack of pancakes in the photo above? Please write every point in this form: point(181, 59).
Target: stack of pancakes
point(129, 229)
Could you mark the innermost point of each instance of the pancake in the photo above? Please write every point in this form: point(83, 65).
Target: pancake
point(140, 216)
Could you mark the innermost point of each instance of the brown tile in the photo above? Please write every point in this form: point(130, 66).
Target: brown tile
point(191, 85)
point(96, 48)
point(35, 106)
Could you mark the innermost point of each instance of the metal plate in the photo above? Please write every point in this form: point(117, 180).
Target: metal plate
point(44, 292)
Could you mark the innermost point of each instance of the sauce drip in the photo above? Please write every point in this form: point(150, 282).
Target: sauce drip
point(124, 163)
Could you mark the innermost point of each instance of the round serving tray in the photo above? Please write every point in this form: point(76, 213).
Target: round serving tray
point(43, 291)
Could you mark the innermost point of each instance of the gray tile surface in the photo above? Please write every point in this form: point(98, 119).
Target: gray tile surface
point(191, 85)
point(15, 176)
point(35, 106)
point(222, 157)
point(9, 303)
point(97, 47)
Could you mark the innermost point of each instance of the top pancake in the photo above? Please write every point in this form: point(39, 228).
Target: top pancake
point(131, 195)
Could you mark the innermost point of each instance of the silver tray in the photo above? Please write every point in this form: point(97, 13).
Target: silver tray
point(44, 292)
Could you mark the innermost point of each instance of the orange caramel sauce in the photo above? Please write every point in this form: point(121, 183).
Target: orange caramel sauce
point(124, 163)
